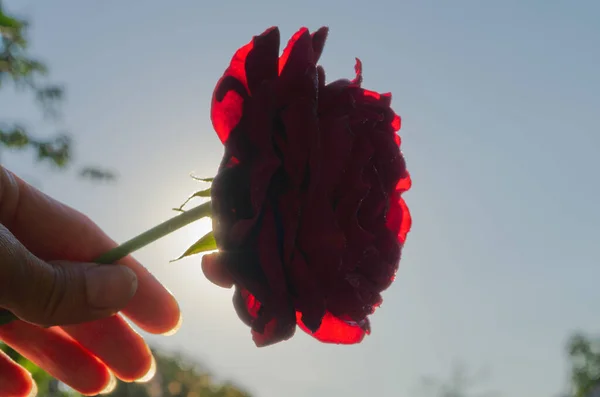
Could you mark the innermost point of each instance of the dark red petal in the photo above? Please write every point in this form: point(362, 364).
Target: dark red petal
point(371, 95)
point(378, 269)
point(358, 70)
point(246, 305)
point(335, 100)
point(308, 297)
point(298, 77)
point(396, 123)
point(260, 179)
point(398, 218)
point(321, 77)
point(404, 183)
point(318, 42)
point(263, 159)
point(406, 221)
point(373, 208)
point(263, 61)
point(347, 218)
point(268, 326)
point(346, 300)
point(362, 152)
point(389, 161)
point(275, 331)
point(246, 273)
point(337, 142)
point(232, 88)
point(301, 130)
point(270, 255)
point(385, 100)
point(237, 65)
point(299, 36)
point(226, 113)
point(321, 240)
point(335, 330)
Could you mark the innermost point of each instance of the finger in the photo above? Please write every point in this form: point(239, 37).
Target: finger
point(66, 234)
point(59, 293)
point(59, 355)
point(116, 344)
point(215, 272)
point(14, 380)
point(152, 307)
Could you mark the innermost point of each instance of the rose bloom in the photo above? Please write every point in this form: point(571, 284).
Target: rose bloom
point(307, 208)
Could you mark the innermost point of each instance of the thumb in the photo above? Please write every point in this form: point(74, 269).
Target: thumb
point(59, 292)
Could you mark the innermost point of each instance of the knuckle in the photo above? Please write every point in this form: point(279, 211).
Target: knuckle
point(54, 297)
point(9, 196)
point(10, 271)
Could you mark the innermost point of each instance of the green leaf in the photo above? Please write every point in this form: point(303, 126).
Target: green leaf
point(9, 22)
point(196, 178)
point(206, 243)
point(201, 193)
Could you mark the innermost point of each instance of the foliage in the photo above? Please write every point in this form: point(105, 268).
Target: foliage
point(584, 357)
point(174, 377)
point(27, 74)
point(47, 385)
point(460, 384)
point(177, 376)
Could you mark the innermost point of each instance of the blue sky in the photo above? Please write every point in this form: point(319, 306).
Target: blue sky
point(499, 103)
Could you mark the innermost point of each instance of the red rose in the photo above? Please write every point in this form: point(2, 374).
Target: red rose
point(307, 207)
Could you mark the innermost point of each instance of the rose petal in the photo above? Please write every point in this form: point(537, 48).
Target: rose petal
point(302, 134)
point(298, 71)
point(398, 217)
point(270, 252)
point(227, 108)
point(318, 42)
point(229, 94)
point(310, 219)
point(275, 331)
point(246, 305)
point(263, 61)
point(406, 221)
point(405, 183)
point(299, 38)
point(396, 123)
point(334, 330)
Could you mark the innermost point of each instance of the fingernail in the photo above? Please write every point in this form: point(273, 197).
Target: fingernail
point(34, 389)
point(149, 374)
point(110, 286)
point(111, 386)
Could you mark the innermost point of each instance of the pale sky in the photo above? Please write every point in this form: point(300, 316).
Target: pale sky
point(499, 101)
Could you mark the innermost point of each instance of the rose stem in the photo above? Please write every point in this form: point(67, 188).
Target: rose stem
point(140, 241)
point(156, 233)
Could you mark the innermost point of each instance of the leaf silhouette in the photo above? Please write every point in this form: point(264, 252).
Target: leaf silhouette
point(206, 243)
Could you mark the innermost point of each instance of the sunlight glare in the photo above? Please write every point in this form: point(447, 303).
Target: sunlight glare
point(111, 386)
point(34, 389)
point(150, 374)
point(176, 328)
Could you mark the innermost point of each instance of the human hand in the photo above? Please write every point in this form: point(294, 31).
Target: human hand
point(46, 280)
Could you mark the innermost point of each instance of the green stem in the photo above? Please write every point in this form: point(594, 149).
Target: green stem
point(140, 241)
point(156, 233)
